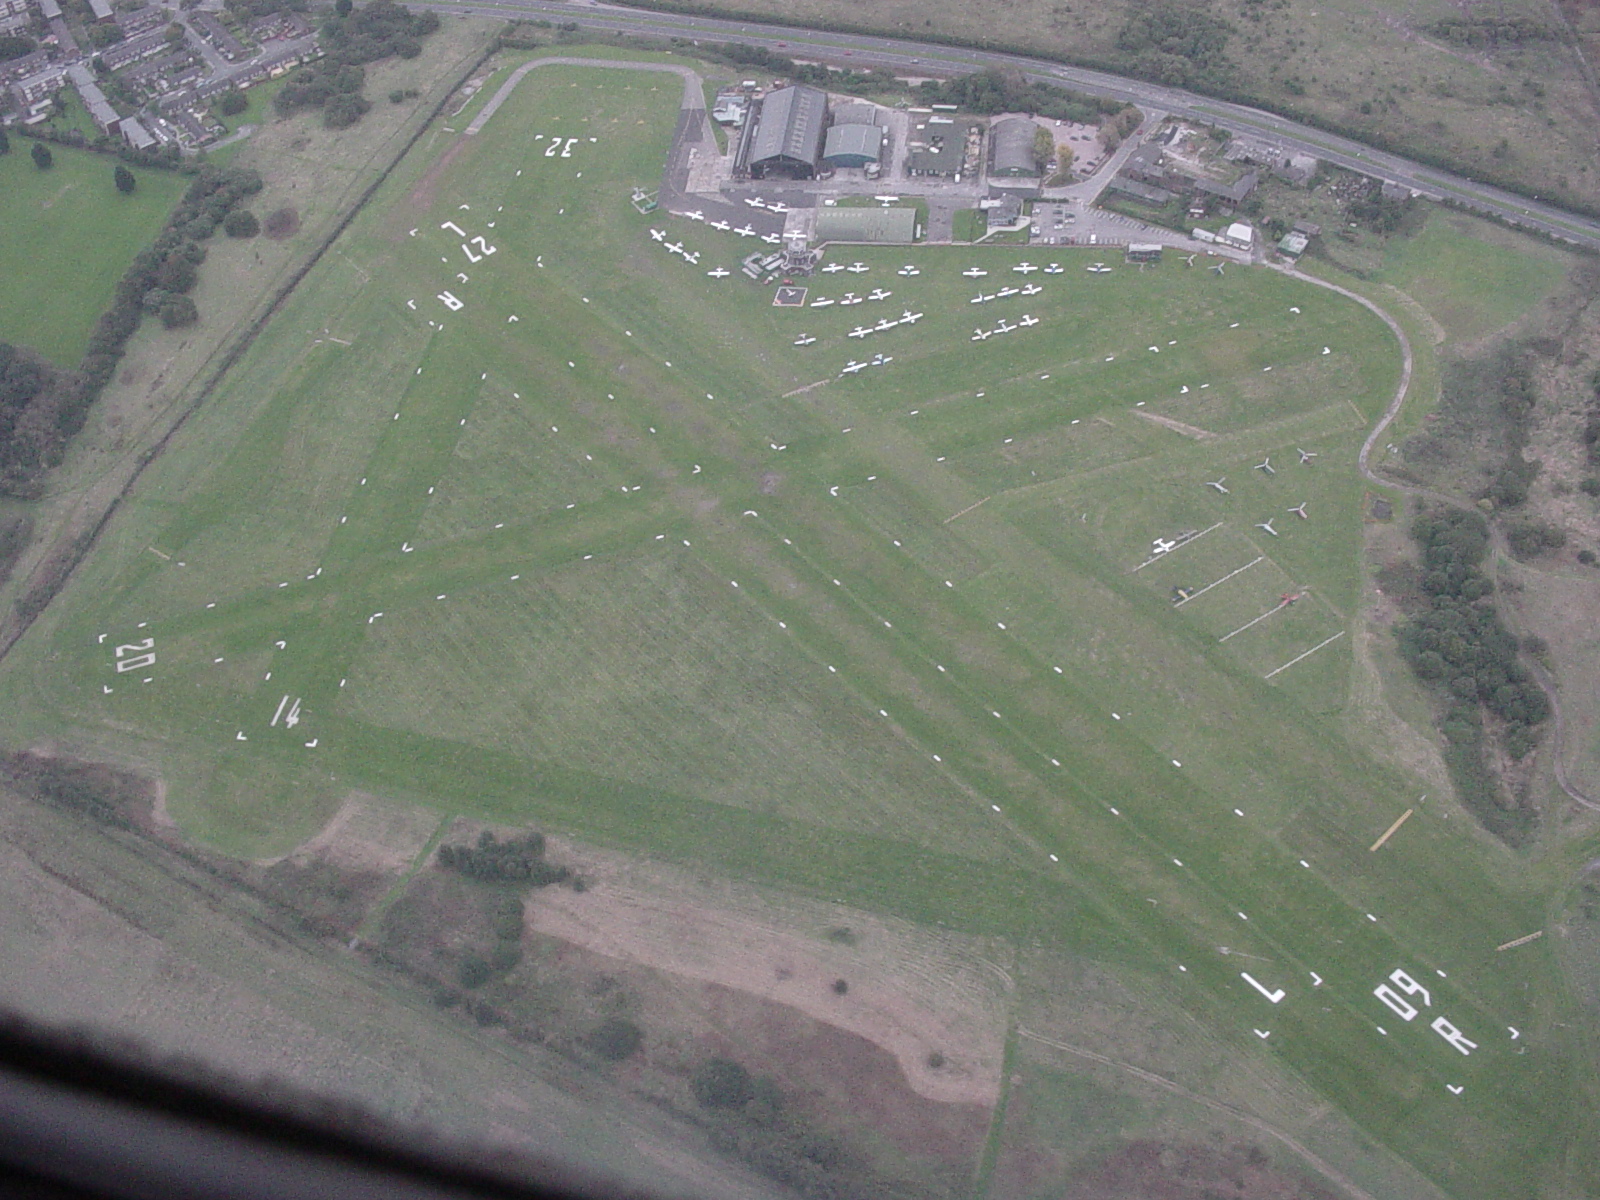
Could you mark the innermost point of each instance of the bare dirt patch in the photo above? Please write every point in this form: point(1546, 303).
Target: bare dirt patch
point(368, 833)
point(1193, 431)
point(909, 991)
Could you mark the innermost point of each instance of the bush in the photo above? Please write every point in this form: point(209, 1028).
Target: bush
point(124, 179)
point(179, 311)
point(474, 971)
point(722, 1083)
point(42, 158)
point(281, 223)
point(241, 223)
point(616, 1039)
point(344, 110)
point(398, 96)
point(232, 103)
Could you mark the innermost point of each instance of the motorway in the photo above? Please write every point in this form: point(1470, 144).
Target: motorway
point(909, 57)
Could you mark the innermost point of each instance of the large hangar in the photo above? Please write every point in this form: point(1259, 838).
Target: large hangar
point(785, 140)
point(853, 146)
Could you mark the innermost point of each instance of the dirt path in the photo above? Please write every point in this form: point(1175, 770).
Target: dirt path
point(1193, 431)
point(1496, 537)
point(693, 88)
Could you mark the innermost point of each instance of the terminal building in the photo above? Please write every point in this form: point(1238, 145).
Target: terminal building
point(783, 137)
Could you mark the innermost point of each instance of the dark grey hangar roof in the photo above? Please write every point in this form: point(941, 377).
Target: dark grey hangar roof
point(792, 121)
point(1011, 145)
point(853, 145)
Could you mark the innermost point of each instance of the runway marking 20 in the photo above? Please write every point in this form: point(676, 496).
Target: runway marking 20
point(136, 655)
point(1407, 1011)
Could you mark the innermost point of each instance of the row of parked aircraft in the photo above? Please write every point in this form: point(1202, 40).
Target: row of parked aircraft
point(860, 331)
point(855, 268)
point(776, 206)
point(1022, 268)
point(1032, 289)
point(1266, 468)
point(878, 360)
point(1027, 321)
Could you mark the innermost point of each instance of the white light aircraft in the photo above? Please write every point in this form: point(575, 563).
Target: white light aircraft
point(1266, 465)
point(832, 268)
point(851, 367)
point(1032, 289)
point(1190, 260)
point(723, 226)
point(696, 215)
point(1054, 269)
point(821, 302)
point(1023, 268)
point(980, 335)
point(910, 318)
point(910, 270)
point(1002, 327)
point(692, 258)
point(658, 234)
point(1217, 483)
point(719, 273)
point(1028, 322)
point(981, 298)
point(1267, 525)
point(747, 231)
point(1162, 545)
point(1217, 267)
point(755, 201)
point(850, 298)
point(804, 340)
point(878, 294)
point(778, 207)
point(771, 239)
point(1299, 510)
point(1007, 291)
point(1305, 456)
point(974, 272)
point(884, 323)
point(882, 360)
point(857, 268)
point(673, 247)
point(1098, 269)
point(860, 331)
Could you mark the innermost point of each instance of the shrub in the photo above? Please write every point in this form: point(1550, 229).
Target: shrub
point(124, 179)
point(616, 1039)
point(42, 158)
point(178, 311)
point(241, 223)
point(281, 223)
point(722, 1083)
point(232, 103)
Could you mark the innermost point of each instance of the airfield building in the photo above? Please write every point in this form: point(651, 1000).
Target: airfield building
point(783, 139)
point(853, 146)
point(891, 225)
point(1011, 148)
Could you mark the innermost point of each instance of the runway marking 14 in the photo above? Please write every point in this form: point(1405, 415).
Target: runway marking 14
point(1407, 1011)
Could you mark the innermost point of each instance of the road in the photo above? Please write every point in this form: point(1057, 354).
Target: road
point(910, 57)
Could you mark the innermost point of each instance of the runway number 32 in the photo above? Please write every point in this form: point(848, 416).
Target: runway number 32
point(1400, 997)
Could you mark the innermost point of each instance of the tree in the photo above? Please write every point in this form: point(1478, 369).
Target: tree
point(241, 223)
point(341, 8)
point(722, 1083)
point(42, 158)
point(616, 1039)
point(125, 180)
point(232, 103)
point(5, 143)
point(178, 311)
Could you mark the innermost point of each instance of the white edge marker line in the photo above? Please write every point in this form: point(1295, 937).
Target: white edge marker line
point(1224, 579)
point(1179, 546)
point(1308, 653)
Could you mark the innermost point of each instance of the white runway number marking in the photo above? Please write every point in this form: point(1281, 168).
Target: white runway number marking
point(1400, 1003)
point(136, 656)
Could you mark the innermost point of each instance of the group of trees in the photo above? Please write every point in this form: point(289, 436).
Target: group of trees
point(33, 395)
point(994, 90)
point(820, 75)
point(1489, 33)
point(13, 45)
point(1175, 43)
point(1458, 645)
point(519, 861)
point(351, 38)
point(749, 1120)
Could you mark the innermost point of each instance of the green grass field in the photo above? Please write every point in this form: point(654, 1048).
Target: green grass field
point(69, 236)
point(594, 545)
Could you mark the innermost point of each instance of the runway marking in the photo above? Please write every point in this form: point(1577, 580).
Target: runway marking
point(965, 510)
point(1298, 657)
point(1274, 609)
point(1519, 941)
point(1275, 997)
point(1389, 832)
point(1224, 579)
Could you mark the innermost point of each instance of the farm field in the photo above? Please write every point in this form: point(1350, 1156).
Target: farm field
point(70, 236)
point(514, 514)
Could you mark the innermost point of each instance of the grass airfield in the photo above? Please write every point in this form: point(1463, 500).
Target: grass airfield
point(635, 567)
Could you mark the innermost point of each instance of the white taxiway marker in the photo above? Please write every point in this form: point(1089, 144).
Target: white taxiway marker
point(1454, 1089)
point(1263, 1034)
point(1260, 987)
